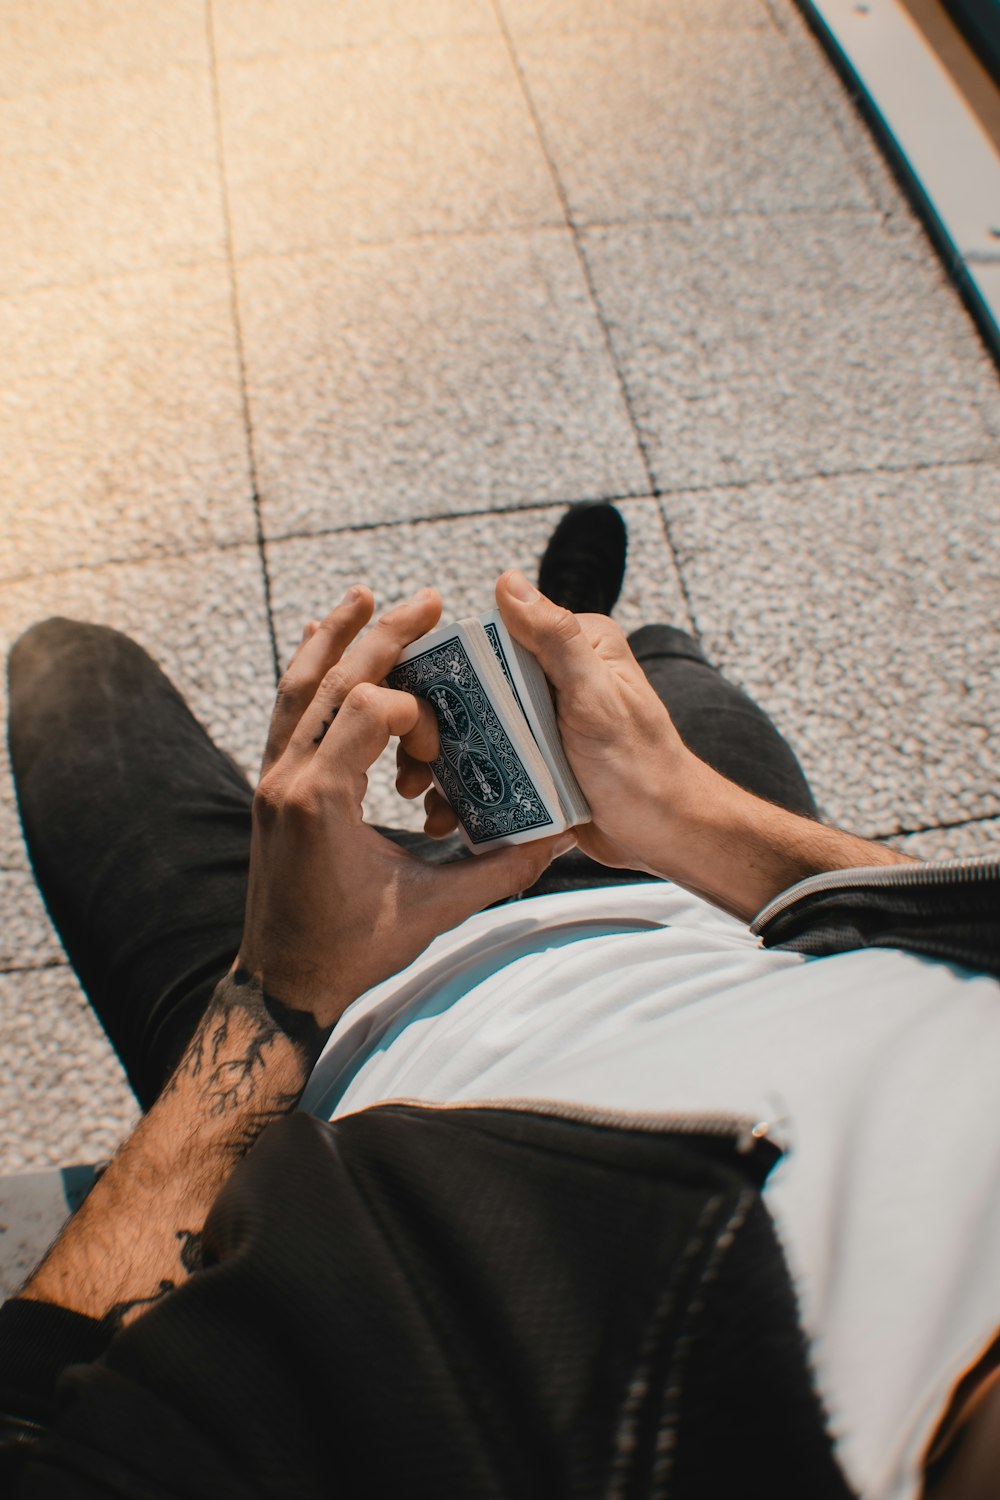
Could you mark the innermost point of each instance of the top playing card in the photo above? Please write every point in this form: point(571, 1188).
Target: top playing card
point(481, 771)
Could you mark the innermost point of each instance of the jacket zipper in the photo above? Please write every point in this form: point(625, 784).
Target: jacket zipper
point(744, 1130)
point(933, 872)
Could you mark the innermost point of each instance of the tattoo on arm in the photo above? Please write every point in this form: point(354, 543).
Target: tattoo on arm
point(123, 1313)
point(230, 1071)
point(190, 1251)
point(245, 1067)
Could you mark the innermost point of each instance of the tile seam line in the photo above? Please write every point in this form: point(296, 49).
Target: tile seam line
point(138, 561)
point(921, 466)
point(442, 518)
point(249, 543)
point(42, 968)
point(654, 493)
point(903, 833)
point(574, 224)
point(329, 249)
point(557, 183)
point(206, 260)
point(234, 302)
point(291, 51)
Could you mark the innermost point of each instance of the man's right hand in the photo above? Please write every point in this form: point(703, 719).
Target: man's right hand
point(655, 805)
point(619, 738)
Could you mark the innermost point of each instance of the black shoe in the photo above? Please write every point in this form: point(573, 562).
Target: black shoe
point(584, 563)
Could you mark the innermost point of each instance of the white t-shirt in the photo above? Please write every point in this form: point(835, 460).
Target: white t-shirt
point(877, 1071)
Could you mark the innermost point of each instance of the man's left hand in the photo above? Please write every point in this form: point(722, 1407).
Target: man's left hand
point(333, 907)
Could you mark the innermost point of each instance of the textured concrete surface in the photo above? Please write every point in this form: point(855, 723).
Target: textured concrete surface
point(419, 137)
point(66, 1099)
point(879, 609)
point(737, 366)
point(108, 175)
point(433, 377)
point(122, 416)
point(296, 294)
point(600, 98)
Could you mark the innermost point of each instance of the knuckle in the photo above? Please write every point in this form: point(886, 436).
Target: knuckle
point(363, 697)
point(268, 797)
point(564, 626)
point(336, 684)
point(291, 686)
point(300, 803)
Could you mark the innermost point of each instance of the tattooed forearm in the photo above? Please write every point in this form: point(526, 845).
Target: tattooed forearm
point(122, 1251)
point(230, 1050)
point(123, 1313)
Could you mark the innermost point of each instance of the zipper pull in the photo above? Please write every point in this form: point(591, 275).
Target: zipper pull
point(750, 1138)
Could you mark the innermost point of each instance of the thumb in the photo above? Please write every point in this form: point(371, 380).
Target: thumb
point(552, 634)
point(469, 885)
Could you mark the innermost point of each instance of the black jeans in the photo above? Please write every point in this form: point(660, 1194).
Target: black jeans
point(138, 826)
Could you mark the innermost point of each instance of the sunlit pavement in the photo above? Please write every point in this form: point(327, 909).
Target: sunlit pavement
point(297, 294)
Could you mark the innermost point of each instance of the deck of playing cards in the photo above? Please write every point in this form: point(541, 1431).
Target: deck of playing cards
point(502, 765)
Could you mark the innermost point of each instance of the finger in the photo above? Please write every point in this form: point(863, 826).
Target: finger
point(412, 776)
point(311, 662)
point(368, 660)
point(308, 631)
point(439, 815)
point(369, 716)
point(424, 741)
point(552, 634)
point(470, 885)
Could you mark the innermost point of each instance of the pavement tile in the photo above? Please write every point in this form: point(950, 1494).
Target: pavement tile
point(418, 137)
point(528, 18)
point(109, 175)
point(773, 349)
point(968, 841)
point(64, 1097)
point(254, 28)
point(121, 421)
point(27, 938)
point(861, 612)
point(396, 382)
point(462, 559)
point(831, 95)
point(648, 123)
point(202, 618)
point(60, 41)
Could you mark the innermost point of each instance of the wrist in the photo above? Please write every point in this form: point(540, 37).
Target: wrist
point(739, 851)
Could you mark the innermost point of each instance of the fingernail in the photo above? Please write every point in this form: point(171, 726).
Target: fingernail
point(351, 594)
point(563, 845)
point(519, 586)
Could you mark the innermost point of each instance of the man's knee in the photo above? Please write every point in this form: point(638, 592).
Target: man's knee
point(40, 650)
point(58, 643)
point(55, 664)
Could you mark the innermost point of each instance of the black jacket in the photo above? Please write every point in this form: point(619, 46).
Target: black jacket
point(475, 1302)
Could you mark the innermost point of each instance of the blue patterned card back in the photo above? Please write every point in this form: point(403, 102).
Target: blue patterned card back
point(479, 770)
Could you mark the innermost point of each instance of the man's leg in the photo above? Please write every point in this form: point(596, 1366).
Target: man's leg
point(138, 829)
point(716, 720)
